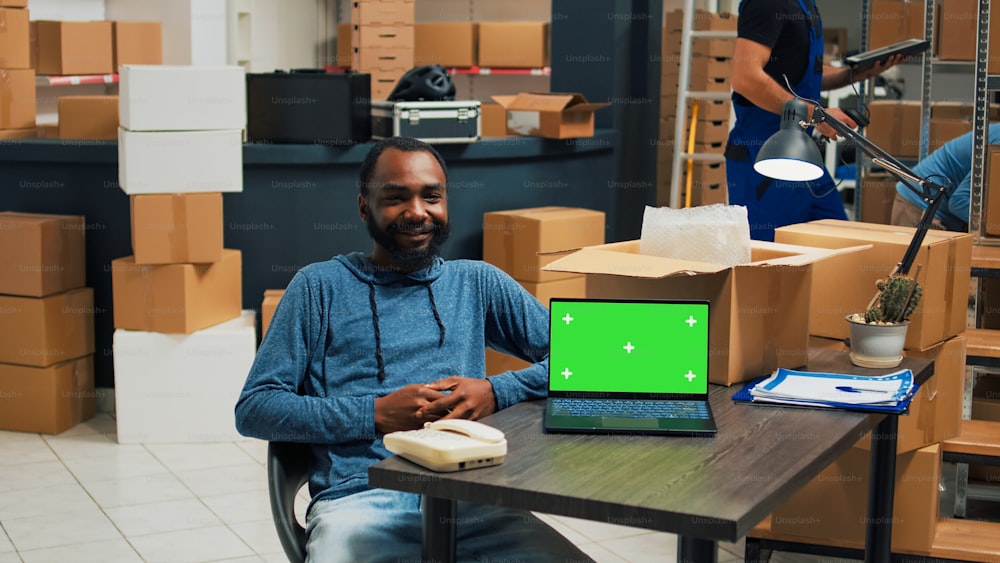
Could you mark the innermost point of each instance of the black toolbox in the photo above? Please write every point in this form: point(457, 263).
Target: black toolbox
point(309, 106)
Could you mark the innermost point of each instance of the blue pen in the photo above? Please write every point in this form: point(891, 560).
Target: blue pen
point(849, 389)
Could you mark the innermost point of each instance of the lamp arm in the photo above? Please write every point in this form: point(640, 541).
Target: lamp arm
point(932, 192)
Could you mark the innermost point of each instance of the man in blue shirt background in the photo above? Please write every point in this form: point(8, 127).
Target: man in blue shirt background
point(950, 164)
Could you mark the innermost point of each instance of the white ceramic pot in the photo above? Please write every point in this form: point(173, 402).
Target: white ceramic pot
point(877, 346)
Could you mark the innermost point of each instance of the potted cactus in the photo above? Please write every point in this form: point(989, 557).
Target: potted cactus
point(878, 335)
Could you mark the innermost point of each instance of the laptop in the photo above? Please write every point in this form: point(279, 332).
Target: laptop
point(628, 366)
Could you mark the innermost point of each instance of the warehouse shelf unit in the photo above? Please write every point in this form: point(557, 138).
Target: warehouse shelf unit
point(680, 154)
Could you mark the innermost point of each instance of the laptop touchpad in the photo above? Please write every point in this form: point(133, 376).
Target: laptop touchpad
point(625, 422)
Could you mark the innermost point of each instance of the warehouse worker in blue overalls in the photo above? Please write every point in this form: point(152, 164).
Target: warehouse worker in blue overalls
point(778, 39)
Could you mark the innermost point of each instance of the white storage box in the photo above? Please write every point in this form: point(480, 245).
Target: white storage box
point(431, 122)
point(180, 161)
point(182, 98)
point(182, 387)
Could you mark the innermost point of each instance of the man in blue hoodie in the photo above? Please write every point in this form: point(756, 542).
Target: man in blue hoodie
point(363, 345)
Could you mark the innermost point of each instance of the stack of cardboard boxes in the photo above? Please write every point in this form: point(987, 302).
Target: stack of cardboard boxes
point(521, 241)
point(181, 343)
point(46, 324)
point(382, 41)
point(710, 68)
point(17, 97)
point(106, 46)
point(830, 509)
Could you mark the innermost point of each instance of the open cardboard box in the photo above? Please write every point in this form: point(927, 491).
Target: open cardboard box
point(759, 311)
point(551, 115)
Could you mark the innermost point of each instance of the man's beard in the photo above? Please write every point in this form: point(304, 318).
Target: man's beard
point(404, 258)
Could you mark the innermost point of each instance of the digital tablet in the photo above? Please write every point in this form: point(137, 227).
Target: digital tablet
point(864, 61)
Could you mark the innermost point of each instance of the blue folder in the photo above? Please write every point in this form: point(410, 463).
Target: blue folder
point(744, 396)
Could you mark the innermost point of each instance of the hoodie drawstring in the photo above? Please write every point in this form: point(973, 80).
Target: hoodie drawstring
point(437, 317)
point(378, 333)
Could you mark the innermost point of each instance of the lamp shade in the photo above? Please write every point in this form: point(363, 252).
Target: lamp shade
point(790, 154)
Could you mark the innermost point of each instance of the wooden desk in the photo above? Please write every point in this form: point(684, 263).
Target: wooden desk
point(703, 489)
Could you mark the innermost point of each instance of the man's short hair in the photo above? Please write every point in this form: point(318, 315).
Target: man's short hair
point(405, 144)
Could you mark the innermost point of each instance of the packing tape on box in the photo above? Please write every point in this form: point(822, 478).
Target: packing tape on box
point(178, 230)
point(6, 91)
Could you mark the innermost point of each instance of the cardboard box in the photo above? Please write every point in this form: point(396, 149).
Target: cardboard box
point(832, 507)
point(88, 117)
point(371, 59)
point(957, 29)
point(383, 36)
point(943, 130)
point(877, 194)
point(986, 398)
point(708, 110)
point(182, 389)
point(895, 127)
point(17, 99)
point(15, 39)
point(344, 49)
point(759, 315)
point(517, 240)
point(176, 298)
point(893, 21)
point(384, 81)
point(991, 222)
point(396, 12)
point(182, 98)
point(704, 131)
point(42, 331)
point(844, 285)
point(935, 413)
point(47, 400)
point(986, 406)
point(180, 161)
point(14, 3)
point(271, 299)
point(573, 287)
point(701, 21)
point(12, 134)
point(552, 115)
point(72, 47)
point(493, 120)
point(450, 44)
point(176, 228)
point(41, 254)
point(513, 44)
point(136, 43)
point(498, 362)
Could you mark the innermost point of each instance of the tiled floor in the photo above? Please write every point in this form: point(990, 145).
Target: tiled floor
point(81, 497)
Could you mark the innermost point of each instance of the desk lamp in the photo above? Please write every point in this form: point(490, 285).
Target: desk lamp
point(791, 154)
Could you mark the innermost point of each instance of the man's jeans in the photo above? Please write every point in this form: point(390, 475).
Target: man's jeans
point(384, 525)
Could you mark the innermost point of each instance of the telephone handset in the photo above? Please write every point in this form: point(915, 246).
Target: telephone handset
point(450, 445)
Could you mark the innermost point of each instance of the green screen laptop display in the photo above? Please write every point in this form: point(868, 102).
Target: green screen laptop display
point(628, 346)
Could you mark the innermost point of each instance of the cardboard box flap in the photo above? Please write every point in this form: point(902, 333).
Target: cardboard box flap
point(598, 260)
point(876, 233)
point(33, 217)
point(504, 100)
point(624, 259)
point(539, 101)
point(778, 254)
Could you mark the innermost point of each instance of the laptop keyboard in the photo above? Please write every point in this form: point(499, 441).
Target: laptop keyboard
point(624, 408)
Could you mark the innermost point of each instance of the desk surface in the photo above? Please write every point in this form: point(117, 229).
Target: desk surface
point(712, 488)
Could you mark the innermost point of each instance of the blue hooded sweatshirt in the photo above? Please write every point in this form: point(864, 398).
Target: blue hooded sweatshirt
point(347, 331)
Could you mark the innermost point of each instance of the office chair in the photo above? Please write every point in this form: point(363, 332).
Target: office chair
point(287, 471)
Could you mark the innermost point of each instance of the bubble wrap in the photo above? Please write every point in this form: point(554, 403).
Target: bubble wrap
point(718, 233)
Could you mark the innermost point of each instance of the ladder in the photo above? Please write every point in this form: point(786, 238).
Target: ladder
point(688, 34)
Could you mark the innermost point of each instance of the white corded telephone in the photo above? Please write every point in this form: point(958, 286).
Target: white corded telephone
point(450, 445)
